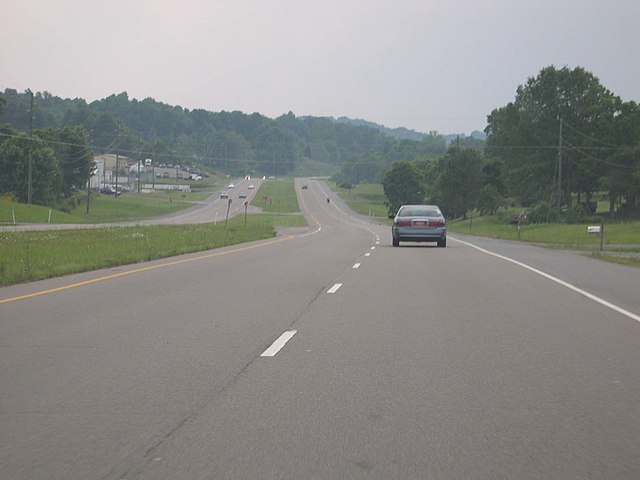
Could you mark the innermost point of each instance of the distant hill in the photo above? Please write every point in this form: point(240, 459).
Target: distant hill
point(403, 133)
point(400, 133)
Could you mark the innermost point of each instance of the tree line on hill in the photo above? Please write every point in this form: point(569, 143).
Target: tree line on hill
point(232, 142)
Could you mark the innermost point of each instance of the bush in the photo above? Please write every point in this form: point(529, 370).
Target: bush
point(579, 214)
point(68, 204)
point(540, 213)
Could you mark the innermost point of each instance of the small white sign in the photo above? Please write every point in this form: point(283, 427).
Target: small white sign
point(593, 229)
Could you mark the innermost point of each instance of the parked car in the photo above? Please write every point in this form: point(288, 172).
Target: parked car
point(109, 190)
point(419, 223)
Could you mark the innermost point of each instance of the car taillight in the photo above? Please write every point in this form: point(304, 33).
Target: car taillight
point(436, 223)
point(403, 223)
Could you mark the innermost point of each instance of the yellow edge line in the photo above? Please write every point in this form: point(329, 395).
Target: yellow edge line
point(143, 269)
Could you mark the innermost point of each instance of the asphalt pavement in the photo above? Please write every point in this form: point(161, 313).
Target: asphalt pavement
point(326, 353)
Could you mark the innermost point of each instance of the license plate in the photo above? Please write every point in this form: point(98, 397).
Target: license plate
point(420, 223)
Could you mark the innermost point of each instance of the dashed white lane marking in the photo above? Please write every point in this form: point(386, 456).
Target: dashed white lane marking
point(367, 254)
point(557, 280)
point(378, 242)
point(278, 344)
point(373, 248)
point(357, 265)
point(335, 288)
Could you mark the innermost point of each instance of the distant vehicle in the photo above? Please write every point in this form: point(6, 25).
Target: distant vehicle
point(242, 195)
point(195, 176)
point(231, 185)
point(224, 195)
point(419, 223)
point(109, 190)
point(305, 187)
point(165, 175)
point(251, 187)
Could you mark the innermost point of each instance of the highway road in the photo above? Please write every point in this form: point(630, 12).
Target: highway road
point(210, 210)
point(326, 353)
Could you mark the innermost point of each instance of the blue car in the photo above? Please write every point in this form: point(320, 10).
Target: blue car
point(419, 223)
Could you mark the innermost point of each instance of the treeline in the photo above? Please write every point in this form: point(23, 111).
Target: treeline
point(230, 141)
point(562, 141)
point(59, 163)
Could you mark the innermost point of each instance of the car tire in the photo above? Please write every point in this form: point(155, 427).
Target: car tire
point(442, 243)
point(396, 243)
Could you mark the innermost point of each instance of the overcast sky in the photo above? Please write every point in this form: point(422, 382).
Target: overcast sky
point(423, 64)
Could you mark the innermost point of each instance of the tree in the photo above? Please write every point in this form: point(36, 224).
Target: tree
point(73, 154)
point(14, 168)
point(525, 133)
point(460, 182)
point(402, 185)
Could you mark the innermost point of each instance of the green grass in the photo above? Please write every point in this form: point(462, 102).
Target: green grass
point(108, 209)
point(29, 256)
point(366, 199)
point(627, 233)
point(622, 260)
point(102, 209)
point(281, 197)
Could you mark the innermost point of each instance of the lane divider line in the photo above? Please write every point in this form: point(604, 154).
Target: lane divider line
point(335, 288)
point(144, 269)
point(584, 293)
point(357, 265)
point(278, 344)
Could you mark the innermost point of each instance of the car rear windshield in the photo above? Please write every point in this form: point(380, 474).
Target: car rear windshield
point(419, 212)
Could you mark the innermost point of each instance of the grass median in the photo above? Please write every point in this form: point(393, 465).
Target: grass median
point(28, 256)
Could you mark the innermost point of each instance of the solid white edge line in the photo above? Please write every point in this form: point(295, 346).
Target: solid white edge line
point(278, 344)
point(335, 288)
point(591, 296)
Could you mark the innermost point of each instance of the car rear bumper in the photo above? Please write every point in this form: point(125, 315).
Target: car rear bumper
point(411, 234)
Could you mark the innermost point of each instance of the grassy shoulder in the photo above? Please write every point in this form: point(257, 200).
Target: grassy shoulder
point(29, 256)
point(621, 243)
point(621, 240)
point(627, 233)
point(366, 199)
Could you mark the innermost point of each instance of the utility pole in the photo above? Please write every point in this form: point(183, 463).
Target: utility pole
point(117, 157)
point(153, 164)
point(117, 167)
point(30, 179)
point(88, 193)
point(560, 169)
